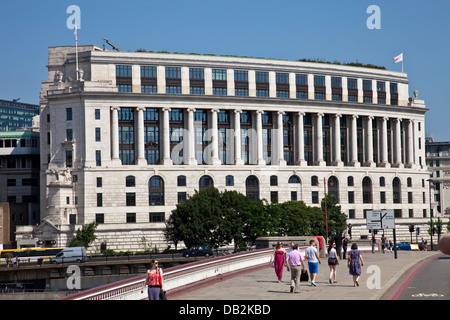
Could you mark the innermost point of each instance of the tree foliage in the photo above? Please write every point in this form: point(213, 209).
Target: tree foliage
point(218, 218)
point(85, 236)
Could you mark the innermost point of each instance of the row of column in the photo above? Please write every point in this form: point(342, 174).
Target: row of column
point(279, 154)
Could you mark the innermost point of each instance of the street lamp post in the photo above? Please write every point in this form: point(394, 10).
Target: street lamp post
point(431, 214)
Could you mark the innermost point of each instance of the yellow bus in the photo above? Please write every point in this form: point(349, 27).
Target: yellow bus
point(28, 254)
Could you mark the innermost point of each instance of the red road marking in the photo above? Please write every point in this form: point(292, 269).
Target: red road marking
point(402, 286)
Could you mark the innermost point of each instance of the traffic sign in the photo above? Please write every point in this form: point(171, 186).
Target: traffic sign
point(380, 219)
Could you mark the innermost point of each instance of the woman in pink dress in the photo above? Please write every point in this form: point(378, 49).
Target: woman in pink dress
point(278, 257)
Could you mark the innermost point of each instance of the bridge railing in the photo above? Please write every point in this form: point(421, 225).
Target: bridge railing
point(180, 277)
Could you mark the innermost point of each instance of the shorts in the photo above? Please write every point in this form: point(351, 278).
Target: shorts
point(313, 267)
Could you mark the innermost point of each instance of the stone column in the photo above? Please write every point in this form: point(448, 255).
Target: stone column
point(166, 137)
point(141, 161)
point(410, 150)
point(259, 133)
point(319, 140)
point(354, 147)
point(280, 142)
point(337, 140)
point(300, 140)
point(191, 138)
point(384, 144)
point(215, 138)
point(115, 136)
point(398, 144)
point(237, 138)
point(369, 142)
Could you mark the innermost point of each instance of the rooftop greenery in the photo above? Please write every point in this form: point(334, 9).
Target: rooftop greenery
point(316, 60)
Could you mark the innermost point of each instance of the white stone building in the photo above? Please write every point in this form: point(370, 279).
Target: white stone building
point(138, 132)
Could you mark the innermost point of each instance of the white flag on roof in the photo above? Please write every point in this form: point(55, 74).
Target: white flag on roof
point(398, 58)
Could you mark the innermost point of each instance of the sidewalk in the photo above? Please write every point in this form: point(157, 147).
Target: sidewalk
point(263, 285)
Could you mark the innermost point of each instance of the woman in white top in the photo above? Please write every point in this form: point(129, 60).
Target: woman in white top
point(332, 261)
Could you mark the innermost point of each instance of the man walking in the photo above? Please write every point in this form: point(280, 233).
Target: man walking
point(294, 263)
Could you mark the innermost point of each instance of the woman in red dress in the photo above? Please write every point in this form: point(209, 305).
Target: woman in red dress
point(278, 257)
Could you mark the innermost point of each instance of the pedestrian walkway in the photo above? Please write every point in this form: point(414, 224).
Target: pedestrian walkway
point(263, 285)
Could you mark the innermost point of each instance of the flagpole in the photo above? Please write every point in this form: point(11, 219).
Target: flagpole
point(76, 52)
point(402, 61)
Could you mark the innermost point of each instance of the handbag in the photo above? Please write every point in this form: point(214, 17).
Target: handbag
point(162, 293)
point(304, 277)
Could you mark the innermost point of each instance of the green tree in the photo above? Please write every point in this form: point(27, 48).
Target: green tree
point(85, 236)
point(337, 221)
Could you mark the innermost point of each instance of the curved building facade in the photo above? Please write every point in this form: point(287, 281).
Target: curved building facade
point(139, 132)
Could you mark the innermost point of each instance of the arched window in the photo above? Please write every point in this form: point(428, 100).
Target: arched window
point(294, 179)
point(130, 181)
point(314, 181)
point(367, 190)
point(156, 191)
point(333, 187)
point(252, 188)
point(396, 190)
point(205, 182)
point(382, 182)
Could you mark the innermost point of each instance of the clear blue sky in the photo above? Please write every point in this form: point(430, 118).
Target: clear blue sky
point(286, 29)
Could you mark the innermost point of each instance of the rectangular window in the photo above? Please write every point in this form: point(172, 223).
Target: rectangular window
point(336, 82)
point(131, 217)
point(100, 218)
point(99, 182)
point(274, 196)
point(315, 197)
point(220, 91)
point(157, 217)
point(173, 73)
point(182, 197)
point(301, 79)
point(68, 114)
point(367, 84)
point(382, 197)
point(99, 199)
point(130, 199)
point(293, 195)
point(69, 134)
point(124, 88)
point(262, 92)
point(262, 76)
point(241, 92)
point(319, 81)
point(69, 158)
point(149, 89)
point(352, 83)
point(282, 78)
point(351, 197)
point(219, 74)
point(196, 73)
point(123, 71)
point(173, 89)
point(381, 86)
point(98, 158)
point(148, 72)
point(97, 114)
point(319, 96)
point(240, 75)
point(97, 134)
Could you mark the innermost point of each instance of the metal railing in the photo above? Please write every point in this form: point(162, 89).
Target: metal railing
point(178, 277)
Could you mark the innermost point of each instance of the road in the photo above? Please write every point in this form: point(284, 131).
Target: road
point(430, 280)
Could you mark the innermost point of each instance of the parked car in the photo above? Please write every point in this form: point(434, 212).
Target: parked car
point(198, 251)
point(407, 246)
